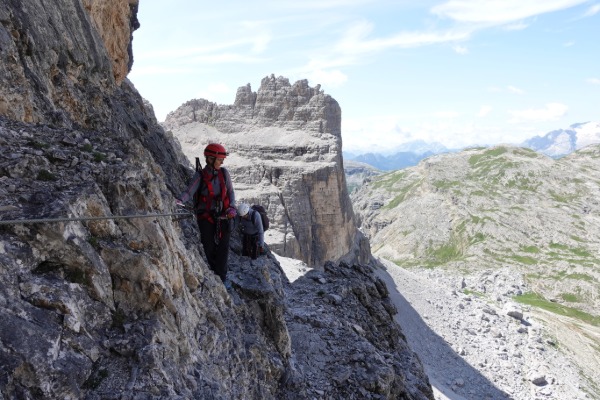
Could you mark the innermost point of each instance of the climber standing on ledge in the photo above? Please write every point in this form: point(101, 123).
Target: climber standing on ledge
point(214, 205)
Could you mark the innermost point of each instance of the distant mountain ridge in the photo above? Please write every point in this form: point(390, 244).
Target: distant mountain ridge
point(561, 142)
point(396, 161)
point(421, 147)
point(479, 201)
point(555, 144)
point(405, 155)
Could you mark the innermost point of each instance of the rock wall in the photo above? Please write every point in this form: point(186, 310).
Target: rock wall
point(61, 60)
point(124, 308)
point(115, 21)
point(285, 145)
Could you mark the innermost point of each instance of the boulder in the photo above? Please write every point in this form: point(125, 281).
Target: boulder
point(514, 310)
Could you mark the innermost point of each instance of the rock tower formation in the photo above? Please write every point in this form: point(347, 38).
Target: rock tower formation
point(286, 150)
point(127, 308)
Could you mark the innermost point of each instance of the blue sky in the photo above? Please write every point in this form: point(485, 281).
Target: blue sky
point(457, 72)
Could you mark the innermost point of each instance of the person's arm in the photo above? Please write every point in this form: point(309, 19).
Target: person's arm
point(257, 220)
point(188, 193)
point(229, 185)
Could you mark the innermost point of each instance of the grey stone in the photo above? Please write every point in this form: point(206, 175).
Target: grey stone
point(513, 310)
point(335, 299)
point(537, 378)
point(128, 308)
point(285, 145)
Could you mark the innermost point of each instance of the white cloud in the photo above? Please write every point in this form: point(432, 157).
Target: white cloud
point(158, 70)
point(255, 44)
point(551, 112)
point(484, 110)
point(569, 44)
point(593, 10)
point(224, 58)
point(594, 81)
point(378, 133)
point(446, 114)
point(356, 41)
point(327, 62)
point(218, 87)
point(331, 78)
point(218, 92)
point(517, 26)
point(499, 11)
point(356, 47)
point(515, 90)
point(323, 4)
point(383, 134)
point(460, 49)
point(507, 89)
point(457, 135)
point(259, 38)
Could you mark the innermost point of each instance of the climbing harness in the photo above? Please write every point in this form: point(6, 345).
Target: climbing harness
point(222, 202)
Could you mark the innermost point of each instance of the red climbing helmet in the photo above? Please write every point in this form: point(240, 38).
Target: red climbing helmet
point(215, 150)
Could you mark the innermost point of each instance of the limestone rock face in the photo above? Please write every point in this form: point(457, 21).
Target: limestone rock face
point(60, 59)
point(127, 307)
point(285, 146)
point(369, 342)
point(115, 21)
point(107, 308)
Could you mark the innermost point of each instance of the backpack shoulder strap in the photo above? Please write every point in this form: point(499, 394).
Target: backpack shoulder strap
point(225, 172)
point(255, 215)
point(223, 175)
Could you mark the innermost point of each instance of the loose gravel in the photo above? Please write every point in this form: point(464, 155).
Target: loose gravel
point(479, 346)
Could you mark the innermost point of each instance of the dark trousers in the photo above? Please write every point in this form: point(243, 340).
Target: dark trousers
point(216, 246)
point(250, 246)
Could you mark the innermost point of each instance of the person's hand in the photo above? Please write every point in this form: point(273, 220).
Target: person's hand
point(179, 203)
point(231, 212)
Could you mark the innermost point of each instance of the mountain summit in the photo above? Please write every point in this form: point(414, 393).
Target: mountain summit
point(286, 153)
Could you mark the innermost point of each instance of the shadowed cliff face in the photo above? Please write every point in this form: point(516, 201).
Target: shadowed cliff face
point(285, 144)
point(127, 307)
